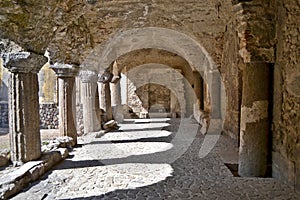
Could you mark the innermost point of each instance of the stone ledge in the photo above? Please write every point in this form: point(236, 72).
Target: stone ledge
point(15, 181)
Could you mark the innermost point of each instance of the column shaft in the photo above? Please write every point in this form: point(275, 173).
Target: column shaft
point(116, 101)
point(90, 119)
point(24, 119)
point(254, 120)
point(67, 108)
point(173, 104)
point(198, 89)
point(105, 101)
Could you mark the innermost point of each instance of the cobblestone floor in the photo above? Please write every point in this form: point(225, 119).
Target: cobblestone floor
point(136, 162)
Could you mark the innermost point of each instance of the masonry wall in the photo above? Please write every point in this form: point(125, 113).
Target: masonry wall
point(232, 78)
point(286, 110)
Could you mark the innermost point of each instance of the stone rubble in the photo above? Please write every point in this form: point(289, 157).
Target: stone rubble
point(111, 125)
point(4, 157)
point(14, 179)
point(59, 142)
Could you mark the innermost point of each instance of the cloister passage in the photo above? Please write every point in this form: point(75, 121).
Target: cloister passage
point(153, 108)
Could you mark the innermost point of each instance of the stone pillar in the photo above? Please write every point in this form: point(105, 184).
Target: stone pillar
point(24, 118)
point(104, 92)
point(66, 99)
point(173, 104)
point(105, 101)
point(198, 89)
point(215, 89)
point(97, 107)
point(117, 109)
point(254, 120)
point(88, 94)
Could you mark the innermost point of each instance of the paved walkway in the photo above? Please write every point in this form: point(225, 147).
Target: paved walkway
point(157, 160)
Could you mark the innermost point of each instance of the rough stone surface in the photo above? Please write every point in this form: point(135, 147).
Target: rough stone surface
point(49, 116)
point(24, 117)
point(67, 104)
point(153, 85)
point(3, 115)
point(89, 99)
point(134, 165)
point(4, 157)
point(110, 125)
point(64, 26)
point(286, 126)
point(233, 32)
point(14, 180)
point(59, 142)
point(105, 102)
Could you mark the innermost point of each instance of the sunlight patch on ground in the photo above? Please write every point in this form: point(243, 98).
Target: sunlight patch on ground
point(106, 179)
point(141, 126)
point(118, 136)
point(121, 150)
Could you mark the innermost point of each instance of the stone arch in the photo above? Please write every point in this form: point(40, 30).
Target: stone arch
point(102, 57)
point(160, 38)
point(166, 81)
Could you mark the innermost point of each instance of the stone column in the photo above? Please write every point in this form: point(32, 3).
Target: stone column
point(173, 104)
point(105, 101)
point(117, 109)
point(24, 118)
point(254, 120)
point(88, 95)
point(104, 92)
point(66, 99)
point(198, 89)
point(215, 89)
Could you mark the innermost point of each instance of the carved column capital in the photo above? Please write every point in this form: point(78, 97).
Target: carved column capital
point(87, 76)
point(23, 62)
point(65, 70)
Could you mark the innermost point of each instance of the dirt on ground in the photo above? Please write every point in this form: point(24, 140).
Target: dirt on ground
point(46, 134)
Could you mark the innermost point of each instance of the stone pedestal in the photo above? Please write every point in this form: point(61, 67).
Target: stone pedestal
point(105, 101)
point(254, 120)
point(117, 109)
point(66, 99)
point(24, 118)
point(89, 97)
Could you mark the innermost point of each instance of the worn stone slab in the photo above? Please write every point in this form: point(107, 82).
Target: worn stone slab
point(16, 180)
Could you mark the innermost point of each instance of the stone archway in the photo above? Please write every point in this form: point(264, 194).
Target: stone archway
point(102, 57)
point(164, 76)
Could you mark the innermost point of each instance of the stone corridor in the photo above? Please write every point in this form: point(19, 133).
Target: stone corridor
point(136, 162)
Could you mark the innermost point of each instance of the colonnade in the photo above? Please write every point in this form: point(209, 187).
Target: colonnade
point(101, 99)
point(24, 119)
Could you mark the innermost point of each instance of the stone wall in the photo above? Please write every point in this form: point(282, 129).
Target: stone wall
point(48, 116)
point(286, 109)
point(4, 75)
point(232, 77)
point(79, 119)
point(149, 81)
point(47, 84)
point(3, 115)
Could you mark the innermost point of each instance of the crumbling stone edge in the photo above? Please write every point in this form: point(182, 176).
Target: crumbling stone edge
point(15, 181)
